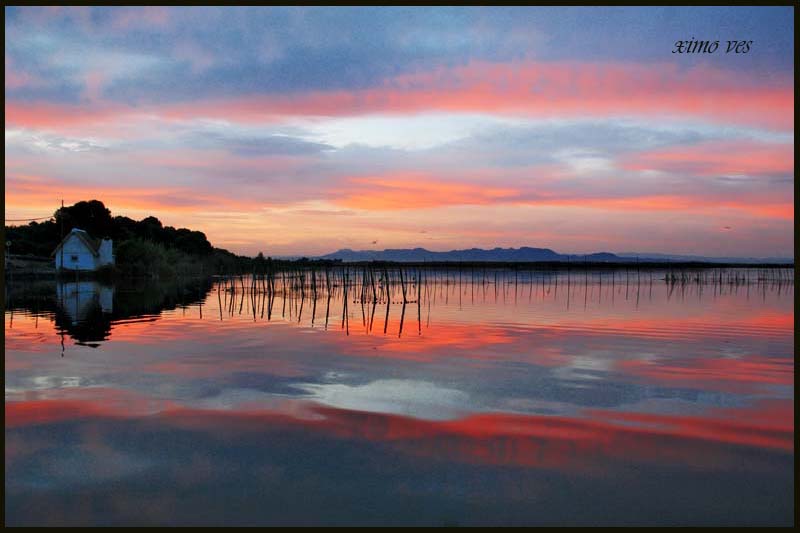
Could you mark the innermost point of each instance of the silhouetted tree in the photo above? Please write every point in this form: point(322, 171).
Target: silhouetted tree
point(173, 249)
point(92, 216)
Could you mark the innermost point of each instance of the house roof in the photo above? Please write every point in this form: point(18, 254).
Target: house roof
point(92, 244)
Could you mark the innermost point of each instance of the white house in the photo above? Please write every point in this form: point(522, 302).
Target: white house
point(80, 252)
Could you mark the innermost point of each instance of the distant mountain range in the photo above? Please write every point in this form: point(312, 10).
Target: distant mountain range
point(524, 254)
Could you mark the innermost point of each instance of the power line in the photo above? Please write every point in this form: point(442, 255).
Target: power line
point(26, 219)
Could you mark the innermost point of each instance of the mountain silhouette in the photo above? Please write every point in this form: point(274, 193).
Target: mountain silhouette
point(527, 254)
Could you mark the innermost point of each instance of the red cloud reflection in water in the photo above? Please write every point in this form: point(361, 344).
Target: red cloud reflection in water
point(491, 438)
point(729, 374)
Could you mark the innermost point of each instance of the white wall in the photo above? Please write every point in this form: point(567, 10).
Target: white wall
point(76, 255)
point(106, 255)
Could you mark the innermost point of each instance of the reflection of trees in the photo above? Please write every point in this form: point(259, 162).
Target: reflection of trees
point(87, 310)
point(147, 297)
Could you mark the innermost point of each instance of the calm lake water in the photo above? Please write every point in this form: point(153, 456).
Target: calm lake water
point(490, 397)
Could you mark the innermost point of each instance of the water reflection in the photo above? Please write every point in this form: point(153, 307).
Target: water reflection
point(87, 310)
point(78, 299)
point(84, 310)
point(474, 397)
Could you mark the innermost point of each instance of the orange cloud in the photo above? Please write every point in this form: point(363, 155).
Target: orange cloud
point(31, 191)
point(414, 191)
point(417, 191)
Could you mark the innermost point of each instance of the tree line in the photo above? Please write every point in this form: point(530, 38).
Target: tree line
point(141, 247)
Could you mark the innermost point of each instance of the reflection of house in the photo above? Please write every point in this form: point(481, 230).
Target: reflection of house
point(79, 300)
point(79, 251)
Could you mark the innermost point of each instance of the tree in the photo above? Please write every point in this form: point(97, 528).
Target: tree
point(92, 216)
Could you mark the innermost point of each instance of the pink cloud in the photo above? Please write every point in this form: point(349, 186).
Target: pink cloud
point(535, 89)
point(416, 191)
point(58, 117)
point(396, 191)
point(718, 158)
point(23, 191)
point(543, 90)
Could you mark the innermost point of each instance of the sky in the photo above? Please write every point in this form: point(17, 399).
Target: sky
point(300, 131)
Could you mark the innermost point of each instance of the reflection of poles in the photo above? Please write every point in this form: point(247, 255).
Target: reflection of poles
point(459, 284)
point(516, 281)
point(600, 296)
point(388, 301)
point(283, 285)
point(232, 304)
point(302, 301)
point(543, 286)
point(264, 294)
point(585, 287)
point(314, 307)
point(363, 313)
point(569, 288)
point(219, 300)
point(345, 317)
point(614, 287)
point(402, 316)
point(555, 291)
point(419, 300)
point(428, 321)
point(269, 306)
point(472, 285)
point(372, 282)
point(344, 298)
point(328, 307)
point(253, 303)
point(627, 281)
point(530, 286)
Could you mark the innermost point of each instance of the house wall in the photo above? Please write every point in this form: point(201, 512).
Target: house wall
point(105, 253)
point(76, 255)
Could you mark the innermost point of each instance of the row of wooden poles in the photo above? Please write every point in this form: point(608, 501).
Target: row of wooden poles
point(732, 276)
point(366, 284)
point(363, 285)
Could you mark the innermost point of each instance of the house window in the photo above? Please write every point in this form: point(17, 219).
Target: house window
point(73, 258)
